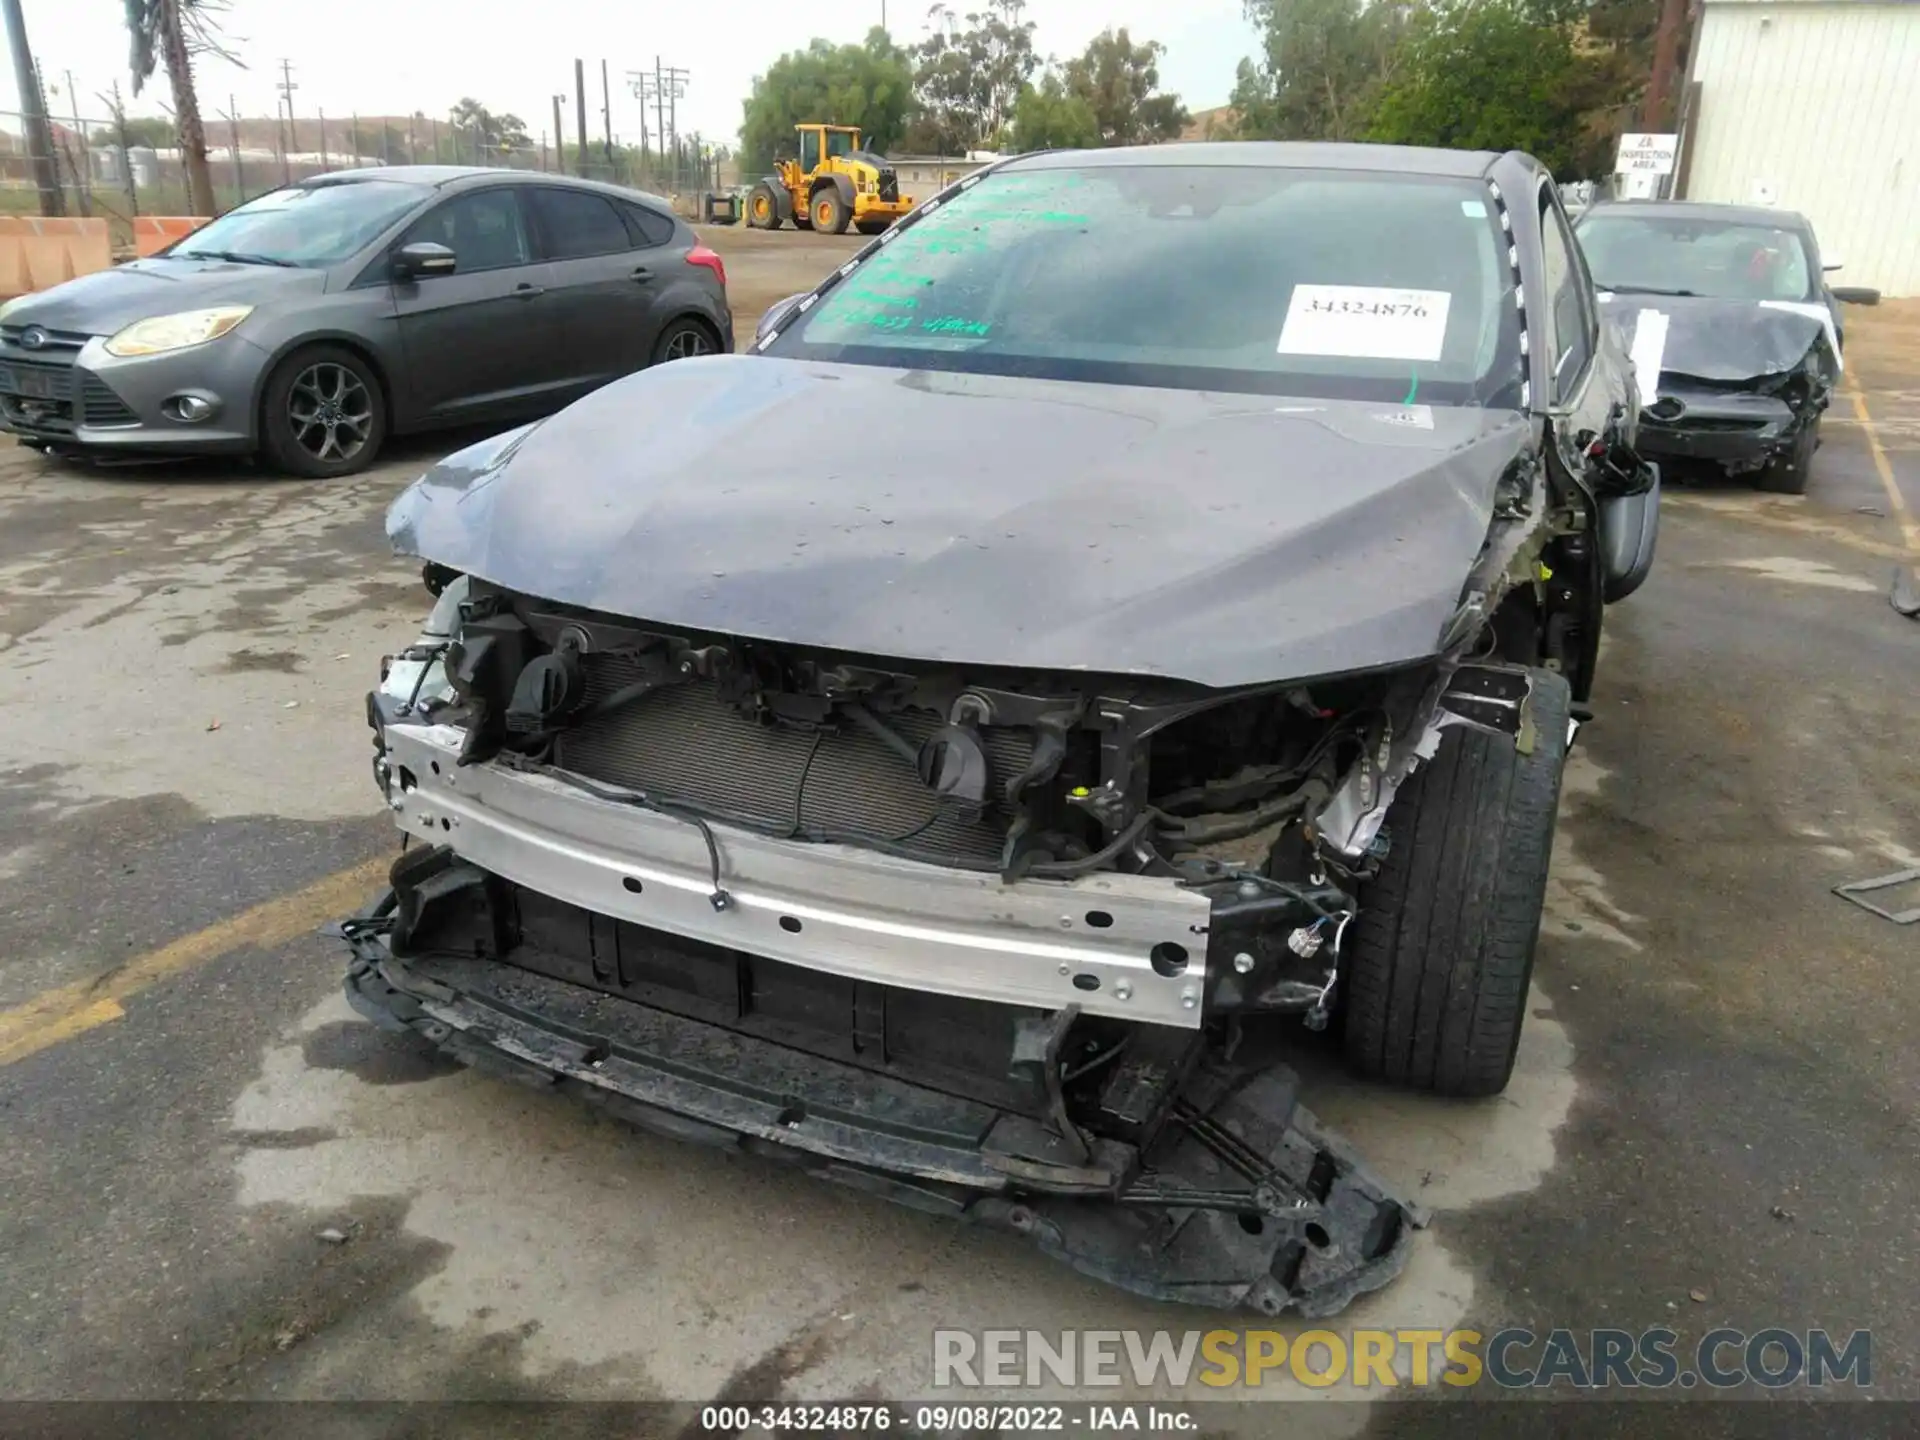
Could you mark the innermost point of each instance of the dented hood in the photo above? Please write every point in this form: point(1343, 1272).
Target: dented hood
point(1723, 341)
point(1223, 539)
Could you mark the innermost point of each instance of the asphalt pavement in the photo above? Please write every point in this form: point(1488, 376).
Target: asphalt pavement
point(219, 1183)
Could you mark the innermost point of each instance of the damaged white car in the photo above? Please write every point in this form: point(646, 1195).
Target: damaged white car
point(1136, 606)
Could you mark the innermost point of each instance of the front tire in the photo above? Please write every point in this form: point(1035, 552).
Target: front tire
point(1788, 474)
point(324, 414)
point(1441, 955)
point(763, 207)
point(872, 227)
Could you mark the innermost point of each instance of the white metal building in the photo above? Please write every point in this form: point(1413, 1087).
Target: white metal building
point(1814, 105)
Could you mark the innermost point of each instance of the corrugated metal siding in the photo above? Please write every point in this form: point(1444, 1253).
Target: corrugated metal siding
point(1821, 101)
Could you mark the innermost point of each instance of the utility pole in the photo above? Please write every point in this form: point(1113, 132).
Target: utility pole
point(82, 169)
point(669, 85)
point(121, 138)
point(233, 147)
point(1657, 112)
point(641, 84)
point(286, 87)
point(323, 141)
point(580, 111)
point(676, 88)
point(606, 113)
point(559, 137)
point(33, 113)
point(660, 110)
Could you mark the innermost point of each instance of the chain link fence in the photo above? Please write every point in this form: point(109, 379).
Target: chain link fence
point(117, 170)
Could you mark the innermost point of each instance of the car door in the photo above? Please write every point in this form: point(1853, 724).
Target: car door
point(602, 286)
point(478, 342)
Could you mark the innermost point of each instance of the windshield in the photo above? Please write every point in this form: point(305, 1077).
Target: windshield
point(1688, 255)
point(840, 142)
point(1257, 280)
point(303, 225)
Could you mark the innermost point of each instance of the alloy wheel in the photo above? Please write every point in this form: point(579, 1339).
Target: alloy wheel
point(330, 412)
point(685, 343)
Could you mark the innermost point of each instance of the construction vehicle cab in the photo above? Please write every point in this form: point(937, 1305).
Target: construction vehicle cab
point(833, 183)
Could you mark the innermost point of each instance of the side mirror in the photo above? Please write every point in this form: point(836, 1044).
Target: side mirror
point(776, 312)
point(1855, 294)
point(1829, 264)
point(423, 258)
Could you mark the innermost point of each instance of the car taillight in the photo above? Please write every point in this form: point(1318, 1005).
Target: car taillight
point(701, 255)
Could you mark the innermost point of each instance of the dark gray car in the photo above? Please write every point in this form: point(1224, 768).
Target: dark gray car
point(1736, 335)
point(309, 324)
point(1192, 639)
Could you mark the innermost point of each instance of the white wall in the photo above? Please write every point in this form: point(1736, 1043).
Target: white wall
point(1818, 100)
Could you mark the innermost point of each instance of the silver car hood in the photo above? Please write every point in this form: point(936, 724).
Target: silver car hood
point(1222, 539)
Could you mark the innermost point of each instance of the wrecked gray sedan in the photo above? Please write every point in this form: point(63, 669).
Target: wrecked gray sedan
point(1131, 616)
point(1734, 333)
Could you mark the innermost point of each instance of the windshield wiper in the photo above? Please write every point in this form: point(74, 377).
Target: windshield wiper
point(238, 257)
point(1646, 290)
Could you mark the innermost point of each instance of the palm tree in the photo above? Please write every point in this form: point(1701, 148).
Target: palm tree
point(168, 32)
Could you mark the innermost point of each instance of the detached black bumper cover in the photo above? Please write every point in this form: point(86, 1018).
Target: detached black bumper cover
point(1325, 1231)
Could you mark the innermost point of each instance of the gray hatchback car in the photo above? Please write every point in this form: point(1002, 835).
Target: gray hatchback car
point(309, 324)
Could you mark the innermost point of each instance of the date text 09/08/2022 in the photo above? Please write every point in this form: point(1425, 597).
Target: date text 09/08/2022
point(943, 1419)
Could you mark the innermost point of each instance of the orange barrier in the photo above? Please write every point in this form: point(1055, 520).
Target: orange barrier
point(154, 233)
point(37, 253)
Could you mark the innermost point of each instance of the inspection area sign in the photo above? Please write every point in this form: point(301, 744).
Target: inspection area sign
point(1642, 154)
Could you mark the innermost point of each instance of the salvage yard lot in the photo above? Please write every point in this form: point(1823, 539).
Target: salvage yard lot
point(1714, 1099)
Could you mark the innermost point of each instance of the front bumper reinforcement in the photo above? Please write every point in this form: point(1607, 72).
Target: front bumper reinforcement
point(1240, 1200)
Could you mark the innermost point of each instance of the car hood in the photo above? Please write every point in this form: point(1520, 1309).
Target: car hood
point(108, 300)
point(1726, 341)
point(1223, 539)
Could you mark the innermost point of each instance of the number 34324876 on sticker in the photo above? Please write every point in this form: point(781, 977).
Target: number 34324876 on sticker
point(1366, 321)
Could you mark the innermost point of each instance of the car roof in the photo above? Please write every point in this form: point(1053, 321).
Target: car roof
point(1283, 154)
point(1703, 210)
point(441, 176)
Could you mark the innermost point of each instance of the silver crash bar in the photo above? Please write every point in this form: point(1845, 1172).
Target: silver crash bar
point(1128, 946)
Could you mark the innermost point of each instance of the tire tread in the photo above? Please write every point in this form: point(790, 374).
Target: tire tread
point(1441, 956)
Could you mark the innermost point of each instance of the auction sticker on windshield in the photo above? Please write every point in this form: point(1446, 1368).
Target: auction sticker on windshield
point(1365, 322)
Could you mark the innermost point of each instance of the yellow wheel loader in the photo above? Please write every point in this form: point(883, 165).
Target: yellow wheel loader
point(833, 184)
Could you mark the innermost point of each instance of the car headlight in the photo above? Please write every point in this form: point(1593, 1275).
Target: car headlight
point(176, 332)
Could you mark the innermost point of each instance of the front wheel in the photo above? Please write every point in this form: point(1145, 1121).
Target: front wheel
point(763, 209)
point(872, 227)
point(1441, 955)
point(1788, 474)
point(323, 414)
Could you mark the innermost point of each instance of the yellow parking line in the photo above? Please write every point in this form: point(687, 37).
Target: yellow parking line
point(1897, 505)
point(69, 1010)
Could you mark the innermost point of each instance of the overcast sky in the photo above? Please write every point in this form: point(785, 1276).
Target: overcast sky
point(392, 56)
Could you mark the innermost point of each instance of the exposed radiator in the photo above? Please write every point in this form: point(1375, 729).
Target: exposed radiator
point(685, 742)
